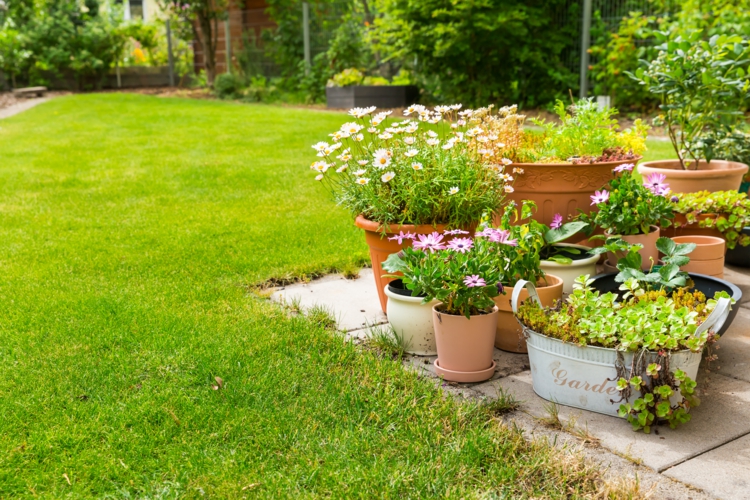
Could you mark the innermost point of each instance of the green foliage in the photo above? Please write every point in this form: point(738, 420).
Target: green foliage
point(346, 78)
point(522, 259)
point(476, 52)
point(629, 207)
point(726, 211)
point(702, 87)
point(406, 172)
point(13, 53)
point(228, 85)
point(556, 253)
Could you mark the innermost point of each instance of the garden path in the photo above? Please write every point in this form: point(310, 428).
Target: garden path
point(709, 457)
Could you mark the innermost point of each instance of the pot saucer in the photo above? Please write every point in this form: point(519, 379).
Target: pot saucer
point(464, 377)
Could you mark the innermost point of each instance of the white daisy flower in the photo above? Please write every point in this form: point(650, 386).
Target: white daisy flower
point(432, 133)
point(454, 125)
point(409, 140)
point(412, 128)
point(453, 190)
point(385, 136)
point(482, 138)
point(337, 136)
point(361, 112)
point(375, 122)
point(381, 159)
point(372, 130)
point(416, 166)
point(411, 153)
point(341, 169)
point(506, 161)
point(358, 138)
point(509, 189)
point(351, 128)
point(362, 181)
point(461, 122)
point(336, 146)
point(518, 171)
point(432, 142)
point(319, 177)
point(493, 137)
point(442, 109)
point(455, 107)
point(362, 163)
point(448, 145)
point(387, 176)
point(415, 108)
point(320, 146)
point(360, 172)
point(319, 166)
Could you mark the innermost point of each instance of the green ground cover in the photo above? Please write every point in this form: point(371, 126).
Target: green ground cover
point(132, 232)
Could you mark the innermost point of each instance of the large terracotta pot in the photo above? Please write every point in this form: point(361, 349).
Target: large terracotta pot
point(717, 175)
point(464, 345)
point(561, 187)
point(584, 264)
point(681, 227)
point(411, 319)
point(508, 335)
point(381, 247)
point(708, 256)
point(648, 251)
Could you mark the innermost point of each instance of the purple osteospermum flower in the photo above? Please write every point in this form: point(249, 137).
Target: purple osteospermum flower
point(455, 231)
point(674, 199)
point(622, 168)
point(600, 197)
point(500, 288)
point(401, 236)
point(655, 184)
point(503, 237)
point(483, 233)
point(474, 280)
point(462, 245)
point(432, 242)
point(556, 221)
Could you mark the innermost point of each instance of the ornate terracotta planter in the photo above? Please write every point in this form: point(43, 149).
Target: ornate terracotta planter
point(381, 247)
point(561, 187)
point(648, 251)
point(509, 336)
point(464, 346)
point(717, 175)
point(708, 256)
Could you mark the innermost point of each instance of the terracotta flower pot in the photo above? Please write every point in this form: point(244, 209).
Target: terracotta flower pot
point(717, 175)
point(508, 335)
point(708, 256)
point(561, 187)
point(648, 251)
point(381, 247)
point(464, 345)
point(681, 227)
point(609, 268)
point(582, 264)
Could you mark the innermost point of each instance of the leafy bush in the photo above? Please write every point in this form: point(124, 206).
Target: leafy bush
point(228, 85)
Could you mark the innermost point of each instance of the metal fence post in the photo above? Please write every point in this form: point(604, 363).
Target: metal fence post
point(306, 34)
point(169, 55)
point(585, 43)
point(228, 40)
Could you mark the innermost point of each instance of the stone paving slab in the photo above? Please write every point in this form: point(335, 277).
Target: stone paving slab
point(741, 278)
point(723, 472)
point(354, 303)
point(734, 348)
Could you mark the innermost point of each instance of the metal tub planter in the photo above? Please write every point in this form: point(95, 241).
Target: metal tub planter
point(586, 377)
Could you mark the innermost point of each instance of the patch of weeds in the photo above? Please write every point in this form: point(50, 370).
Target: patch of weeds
point(628, 456)
point(583, 434)
point(385, 340)
point(552, 419)
point(625, 488)
point(321, 316)
point(503, 404)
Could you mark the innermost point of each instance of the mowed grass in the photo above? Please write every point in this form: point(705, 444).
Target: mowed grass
point(132, 230)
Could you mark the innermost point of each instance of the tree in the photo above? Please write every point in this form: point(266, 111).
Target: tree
point(207, 14)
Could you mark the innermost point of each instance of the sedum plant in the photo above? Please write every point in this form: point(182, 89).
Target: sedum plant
point(702, 86)
point(433, 167)
point(629, 206)
point(727, 211)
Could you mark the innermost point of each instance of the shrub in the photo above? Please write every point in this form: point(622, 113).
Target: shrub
point(228, 85)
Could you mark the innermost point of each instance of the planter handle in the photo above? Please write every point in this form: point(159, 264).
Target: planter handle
point(717, 317)
point(520, 285)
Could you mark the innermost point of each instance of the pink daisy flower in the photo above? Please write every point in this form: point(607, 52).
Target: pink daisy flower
point(462, 245)
point(623, 168)
point(473, 281)
point(655, 183)
point(432, 242)
point(502, 236)
point(556, 221)
point(455, 231)
point(401, 236)
point(599, 197)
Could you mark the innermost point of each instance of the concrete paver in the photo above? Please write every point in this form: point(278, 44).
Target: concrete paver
point(734, 348)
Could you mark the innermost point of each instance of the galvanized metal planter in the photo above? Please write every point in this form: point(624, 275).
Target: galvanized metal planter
point(586, 377)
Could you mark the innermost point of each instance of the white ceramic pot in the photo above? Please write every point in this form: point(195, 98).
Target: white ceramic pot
point(412, 320)
point(586, 377)
point(569, 272)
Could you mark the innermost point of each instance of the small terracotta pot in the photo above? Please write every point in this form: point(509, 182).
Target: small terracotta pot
point(681, 227)
point(609, 268)
point(464, 345)
point(717, 175)
point(648, 251)
point(708, 256)
point(561, 188)
point(509, 336)
point(381, 247)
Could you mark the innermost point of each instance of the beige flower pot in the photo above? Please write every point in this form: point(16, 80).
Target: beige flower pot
point(464, 346)
point(648, 251)
point(509, 336)
point(412, 320)
point(708, 256)
point(717, 175)
point(569, 272)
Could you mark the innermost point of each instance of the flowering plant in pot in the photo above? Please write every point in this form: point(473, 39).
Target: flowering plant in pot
point(462, 274)
point(721, 213)
point(398, 178)
point(629, 209)
point(702, 86)
point(565, 260)
point(649, 339)
point(570, 159)
point(520, 259)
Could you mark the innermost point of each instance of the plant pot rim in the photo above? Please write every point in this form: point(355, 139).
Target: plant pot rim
point(674, 170)
point(567, 164)
point(654, 228)
point(701, 240)
point(405, 298)
point(557, 281)
point(580, 262)
point(466, 376)
point(378, 227)
point(494, 310)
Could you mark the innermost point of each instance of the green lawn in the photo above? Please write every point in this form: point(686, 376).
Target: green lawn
point(132, 232)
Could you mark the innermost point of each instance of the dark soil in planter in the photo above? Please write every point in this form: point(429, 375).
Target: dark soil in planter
point(398, 287)
point(707, 284)
point(739, 255)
